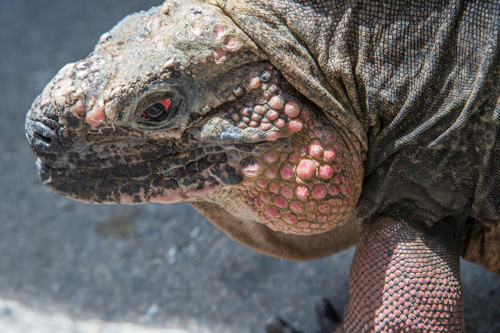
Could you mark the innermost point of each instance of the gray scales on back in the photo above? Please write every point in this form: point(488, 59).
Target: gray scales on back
point(300, 128)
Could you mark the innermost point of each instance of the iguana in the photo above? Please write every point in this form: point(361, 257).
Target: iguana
point(300, 128)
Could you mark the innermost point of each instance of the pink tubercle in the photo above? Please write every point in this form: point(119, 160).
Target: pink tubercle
point(330, 154)
point(279, 225)
point(256, 117)
point(292, 109)
point(334, 189)
point(272, 136)
point(286, 172)
point(276, 102)
point(295, 125)
point(265, 217)
point(279, 123)
point(297, 206)
point(271, 172)
point(270, 157)
point(274, 187)
point(197, 28)
point(265, 126)
point(311, 205)
point(233, 44)
point(272, 211)
point(287, 192)
point(252, 169)
point(302, 192)
point(305, 169)
point(315, 149)
point(280, 202)
point(319, 191)
point(326, 171)
point(272, 114)
point(219, 30)
point(259, 109)
point(324, 208)
point(303, 224)
point(346, 190)
point(218, 53)
point(262, 183)
point(254, 83)
point(290, 218)
point(264, 197)
point(96, 117)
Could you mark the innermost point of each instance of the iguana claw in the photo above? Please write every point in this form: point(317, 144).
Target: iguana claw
point(278, 325)
point(327, 317)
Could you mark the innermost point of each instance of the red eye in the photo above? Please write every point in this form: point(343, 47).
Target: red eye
point(158, 111)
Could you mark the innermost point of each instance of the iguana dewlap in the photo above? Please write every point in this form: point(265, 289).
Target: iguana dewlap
point(285, 122)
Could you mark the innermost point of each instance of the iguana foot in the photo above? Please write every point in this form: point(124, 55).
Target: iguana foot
point(327, 317)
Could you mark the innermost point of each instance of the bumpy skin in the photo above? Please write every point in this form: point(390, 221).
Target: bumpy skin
point(301, 115)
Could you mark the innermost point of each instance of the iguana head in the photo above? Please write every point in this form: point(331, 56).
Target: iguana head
point(178, 104)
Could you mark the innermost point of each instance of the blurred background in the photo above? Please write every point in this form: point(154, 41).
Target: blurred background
point(70, 267)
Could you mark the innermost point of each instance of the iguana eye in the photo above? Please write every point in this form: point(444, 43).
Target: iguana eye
point(158, 111)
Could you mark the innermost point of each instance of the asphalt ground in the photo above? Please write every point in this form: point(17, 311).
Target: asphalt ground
point(66, 266)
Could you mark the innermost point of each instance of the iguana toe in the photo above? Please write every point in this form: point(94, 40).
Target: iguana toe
point(278, 325)
point(328, 318)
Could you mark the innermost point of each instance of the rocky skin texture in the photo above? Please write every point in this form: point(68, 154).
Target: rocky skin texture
point(300, 117)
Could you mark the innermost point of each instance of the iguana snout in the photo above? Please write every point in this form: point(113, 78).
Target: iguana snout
point(178, 104)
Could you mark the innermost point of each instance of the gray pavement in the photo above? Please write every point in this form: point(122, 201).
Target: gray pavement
point(71, 267)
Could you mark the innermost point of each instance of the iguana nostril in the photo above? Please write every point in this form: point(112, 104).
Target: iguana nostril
point(43, 138)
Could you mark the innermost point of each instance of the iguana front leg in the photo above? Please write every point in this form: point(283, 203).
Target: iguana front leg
point(405, 278)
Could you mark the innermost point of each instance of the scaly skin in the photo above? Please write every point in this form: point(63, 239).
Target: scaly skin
point(268, 109)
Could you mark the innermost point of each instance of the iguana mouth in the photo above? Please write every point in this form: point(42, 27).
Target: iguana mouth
point(170, 178)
